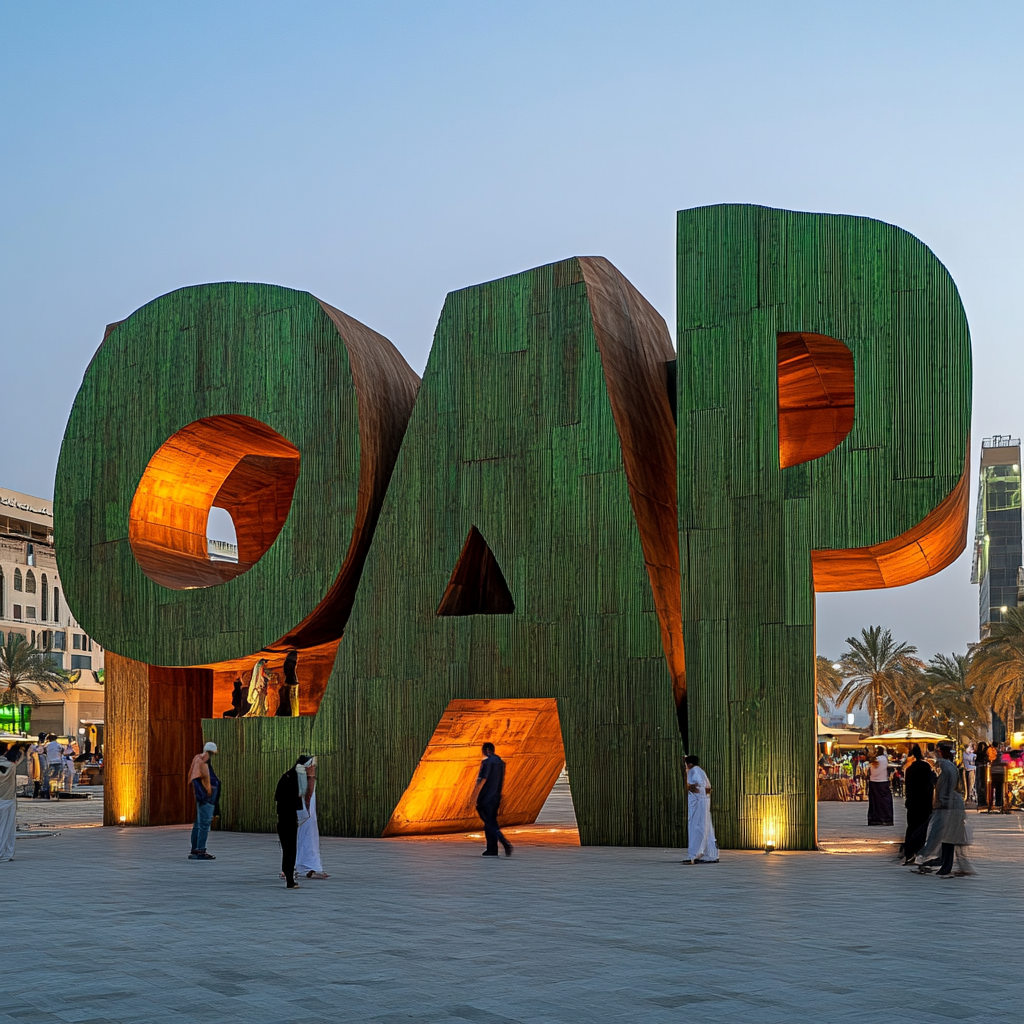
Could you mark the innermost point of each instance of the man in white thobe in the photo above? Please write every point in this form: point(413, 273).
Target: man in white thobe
point(701, 832)
point(8, 801)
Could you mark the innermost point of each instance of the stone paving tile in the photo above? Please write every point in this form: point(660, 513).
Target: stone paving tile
point(426, 932)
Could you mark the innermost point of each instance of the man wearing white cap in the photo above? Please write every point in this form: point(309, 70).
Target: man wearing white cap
point(206, 789)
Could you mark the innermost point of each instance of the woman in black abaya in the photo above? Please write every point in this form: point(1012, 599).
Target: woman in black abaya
point(919, 783)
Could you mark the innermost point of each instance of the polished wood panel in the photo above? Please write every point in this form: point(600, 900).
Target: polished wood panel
point(126, 741)
point(313, 669)
point(816, 396)
point(922, 551)
point(231, 462)
point(526, 736)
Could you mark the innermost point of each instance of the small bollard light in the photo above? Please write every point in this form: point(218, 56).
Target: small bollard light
point(769, 845)
point(124, 818)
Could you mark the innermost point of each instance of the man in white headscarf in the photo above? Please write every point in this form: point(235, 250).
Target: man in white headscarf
point(290, 797)
point(701, 831)
point(307, 844)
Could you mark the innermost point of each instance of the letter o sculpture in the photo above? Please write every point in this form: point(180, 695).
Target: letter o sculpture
point(253, 398)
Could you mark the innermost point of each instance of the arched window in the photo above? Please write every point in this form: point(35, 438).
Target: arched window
point(56, 605)
point(30, 582)
point(17, 579)
point(43, 609)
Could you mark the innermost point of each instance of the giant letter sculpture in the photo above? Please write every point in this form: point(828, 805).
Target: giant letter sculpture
point(256, 399)
point(824, 408)
point(523, 576)
point(522, 564)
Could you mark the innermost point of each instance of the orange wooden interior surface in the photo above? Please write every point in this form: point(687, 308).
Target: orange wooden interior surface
point(816, 396)
point(636, 349)
point(312, 669)
point(231, 462)
point(816, 408)
point(526, 735)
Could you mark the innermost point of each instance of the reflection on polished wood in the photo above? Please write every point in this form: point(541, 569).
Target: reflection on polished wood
point(816, 396)
point(313, 669)
point(231, 462)
point(527, 737)
point(920, 552)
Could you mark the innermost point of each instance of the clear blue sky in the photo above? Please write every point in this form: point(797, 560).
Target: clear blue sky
point(382, 154)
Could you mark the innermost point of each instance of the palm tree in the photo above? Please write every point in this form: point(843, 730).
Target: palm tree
point(878, 672)
point(945, 695)
point(997, 667)
point(24, 670)
point(828, 679)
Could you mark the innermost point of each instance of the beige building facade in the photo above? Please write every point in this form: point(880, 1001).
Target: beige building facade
point(32, 604)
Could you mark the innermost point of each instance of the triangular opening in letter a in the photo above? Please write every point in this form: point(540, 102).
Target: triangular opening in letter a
point(477, 586)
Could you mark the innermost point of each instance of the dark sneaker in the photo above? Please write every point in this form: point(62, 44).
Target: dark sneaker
point(489, 853)
point(508, 849)
point(203, 855)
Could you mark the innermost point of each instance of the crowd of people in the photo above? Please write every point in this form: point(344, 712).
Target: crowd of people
point(988, 774)
point(297, 827)
point(299, 834)
point(937, 790)
point(935, 787)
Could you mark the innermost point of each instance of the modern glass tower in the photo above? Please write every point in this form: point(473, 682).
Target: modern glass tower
point(997, 534)
point(997, 541)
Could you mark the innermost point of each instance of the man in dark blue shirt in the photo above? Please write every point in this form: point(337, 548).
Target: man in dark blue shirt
point(487, 796)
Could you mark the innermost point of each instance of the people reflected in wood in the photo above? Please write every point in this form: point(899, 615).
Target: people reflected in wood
point(288, 692)
point(258, 687)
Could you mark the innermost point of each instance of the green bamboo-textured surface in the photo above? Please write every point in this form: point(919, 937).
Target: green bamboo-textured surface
point(513, 432)
point(257, 350)
point(747, 527)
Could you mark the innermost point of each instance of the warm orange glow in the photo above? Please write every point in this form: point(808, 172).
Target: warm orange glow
point(922, 551)
point(526, 735)
point(126, 748)
point(313, 669)
point(231, 462)
point(816, 396)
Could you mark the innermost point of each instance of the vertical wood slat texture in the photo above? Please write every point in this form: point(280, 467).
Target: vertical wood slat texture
point(755, 538)
point(126, 741)
point(540, 392)
point(330, 387)
point(336, 392)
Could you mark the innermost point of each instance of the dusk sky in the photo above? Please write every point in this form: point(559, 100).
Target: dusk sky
point(381, 155)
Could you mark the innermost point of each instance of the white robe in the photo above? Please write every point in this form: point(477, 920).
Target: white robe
point(307, 843)
point(701, 831)
point(8, 808)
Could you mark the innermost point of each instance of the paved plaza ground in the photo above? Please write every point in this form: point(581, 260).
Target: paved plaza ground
point(118, 926)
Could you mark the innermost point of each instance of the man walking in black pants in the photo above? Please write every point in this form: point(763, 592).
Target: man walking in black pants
point(487, 796)
point(288, 798)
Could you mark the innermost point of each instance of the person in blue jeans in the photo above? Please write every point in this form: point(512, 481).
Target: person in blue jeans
point(206, 789)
